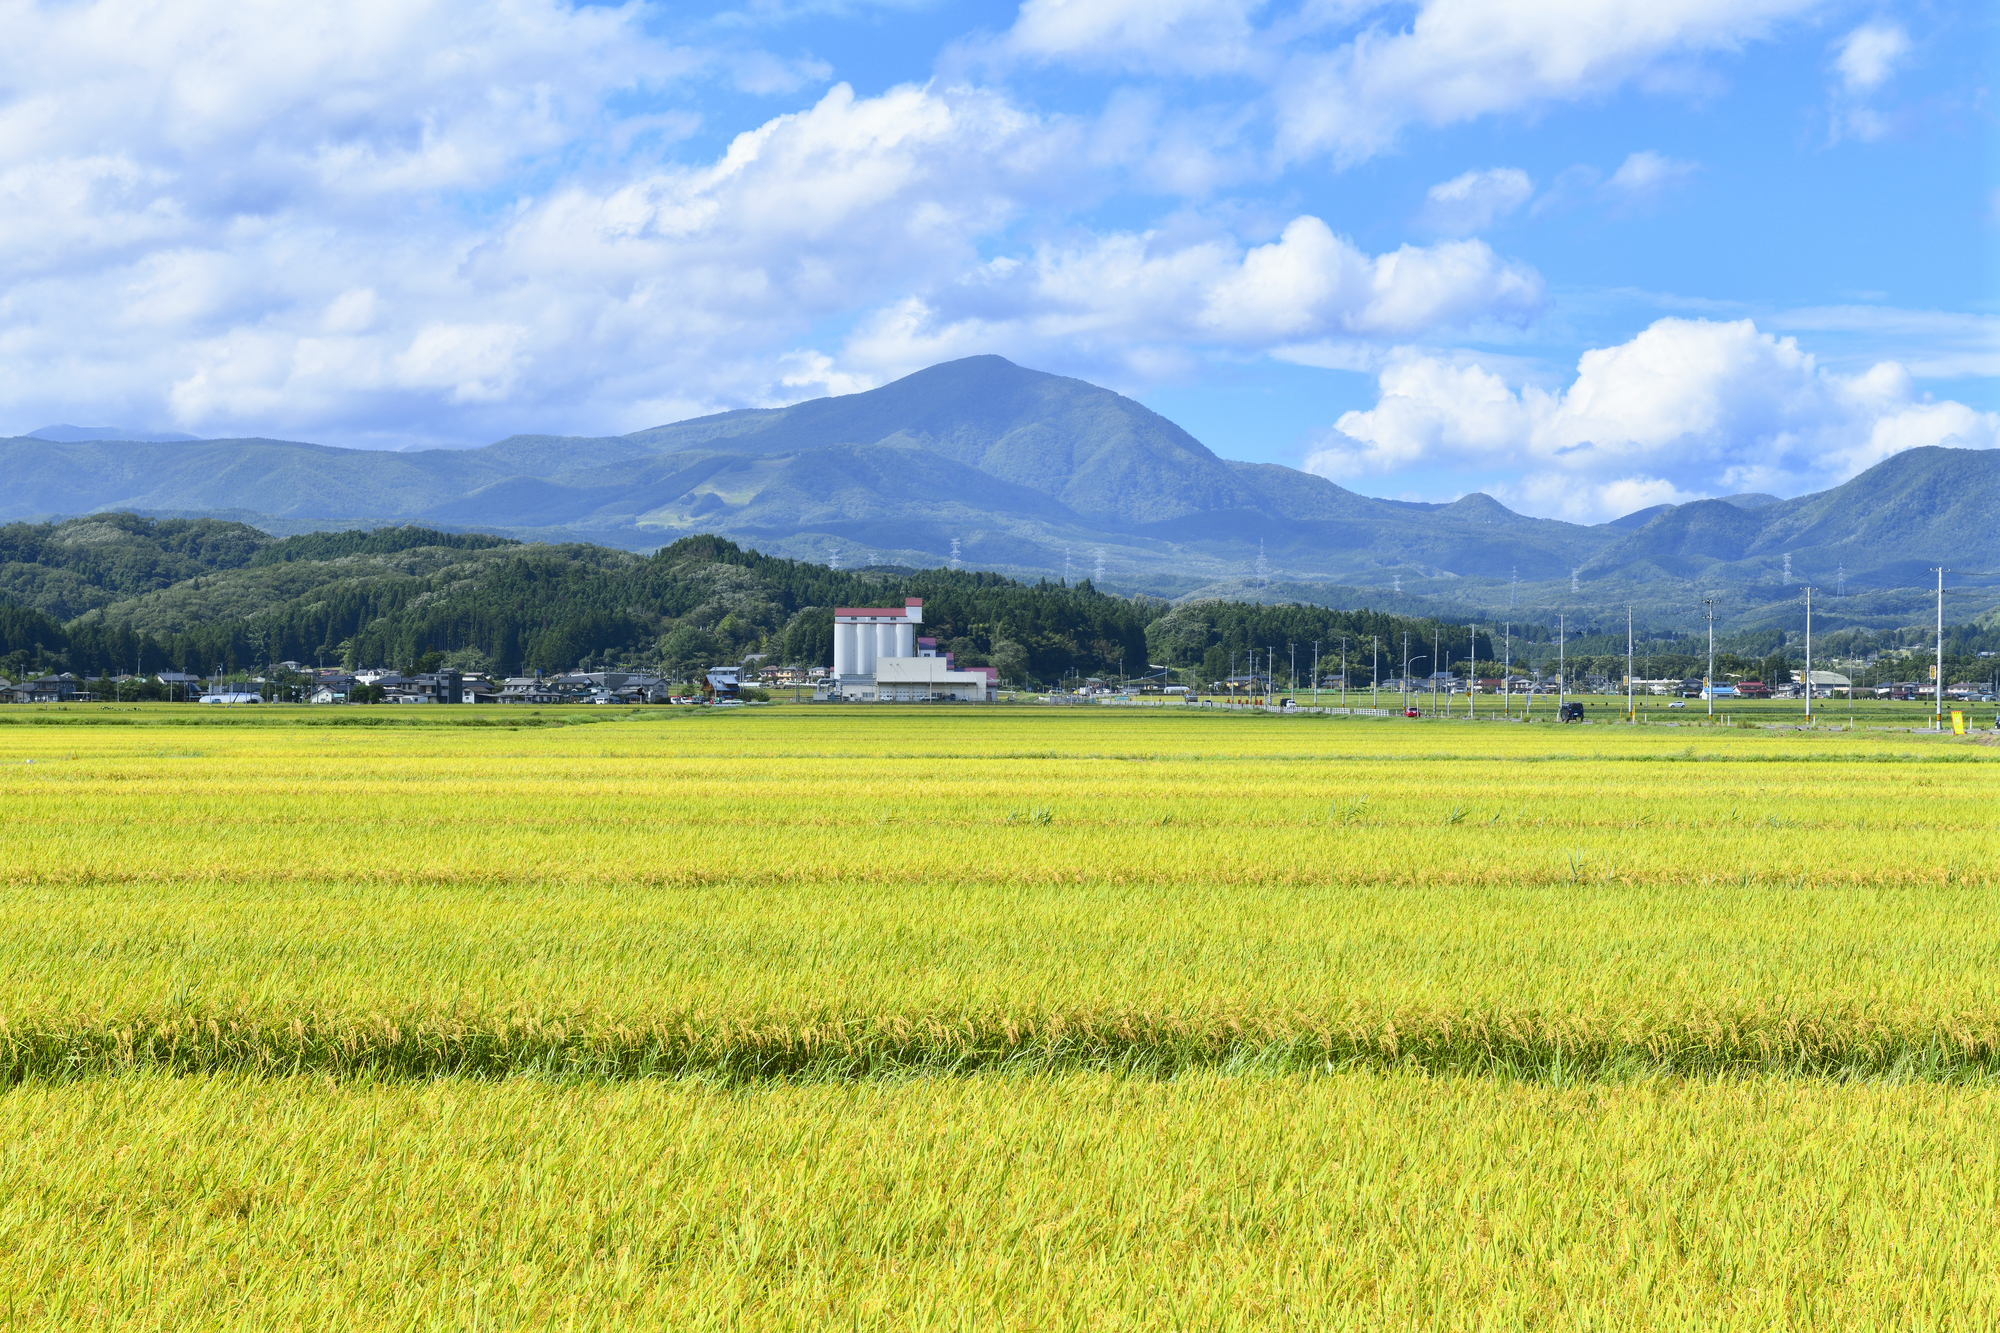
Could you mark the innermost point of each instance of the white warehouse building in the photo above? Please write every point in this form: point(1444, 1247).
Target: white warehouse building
point(878, 658)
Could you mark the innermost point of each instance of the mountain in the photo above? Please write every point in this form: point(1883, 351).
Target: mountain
point(1036, 474)
point(1028, 471)
point(68, 434)
point(1911, 511)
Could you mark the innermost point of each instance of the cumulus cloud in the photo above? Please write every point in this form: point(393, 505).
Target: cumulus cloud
point(1870, 54)
point(397, 223)
point(1686, 408)
point(1866, 59)
point(310, 219)
point(1348, 78)
point(1133, 299)
point(1470, 202)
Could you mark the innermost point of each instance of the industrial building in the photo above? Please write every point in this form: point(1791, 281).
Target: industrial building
point(878, 658)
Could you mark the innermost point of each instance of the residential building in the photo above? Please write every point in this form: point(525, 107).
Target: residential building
point(527, 690)
point(64, 688)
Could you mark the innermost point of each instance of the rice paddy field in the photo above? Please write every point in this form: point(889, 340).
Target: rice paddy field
point(985, 1018)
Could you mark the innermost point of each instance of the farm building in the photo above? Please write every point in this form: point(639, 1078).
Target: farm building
point(878, 658)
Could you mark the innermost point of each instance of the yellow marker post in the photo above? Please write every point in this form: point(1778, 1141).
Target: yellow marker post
point(1957, 723)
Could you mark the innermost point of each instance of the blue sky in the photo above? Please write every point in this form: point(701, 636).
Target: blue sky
point(1585, 257)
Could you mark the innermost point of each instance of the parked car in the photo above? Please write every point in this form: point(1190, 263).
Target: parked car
point(1572, 712)
point(1411, 712)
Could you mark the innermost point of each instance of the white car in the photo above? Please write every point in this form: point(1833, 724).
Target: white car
point(1678, 703)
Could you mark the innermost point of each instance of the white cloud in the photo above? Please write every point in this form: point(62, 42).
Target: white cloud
point(369, 290)
point(1870, 54)
point(1645, 175)
point(1348, 77)
point(1933, 344)
point(1459, 60)
point(235, 224)
point(1134, 300)
point(1470, 202)
point(1687, 408)
point(1188, 36)
point(1867, 59)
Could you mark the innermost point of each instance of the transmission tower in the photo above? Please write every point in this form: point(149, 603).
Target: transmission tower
point(955, 561)
point(1788, 569)
point(1263, 566)
point(1097, 574)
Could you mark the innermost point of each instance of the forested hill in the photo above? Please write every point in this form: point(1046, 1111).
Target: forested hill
point(394, 596)
point(192, 595)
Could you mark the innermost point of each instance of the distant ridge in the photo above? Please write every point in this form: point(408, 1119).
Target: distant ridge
point(71, 434)
point(1035, 474)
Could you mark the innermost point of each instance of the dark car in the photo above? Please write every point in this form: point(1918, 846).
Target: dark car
point(1572, 712)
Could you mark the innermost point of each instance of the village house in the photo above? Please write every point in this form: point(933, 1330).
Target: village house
point(64, 688)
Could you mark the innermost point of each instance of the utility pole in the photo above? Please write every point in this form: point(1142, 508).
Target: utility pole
point(1562, 660)
point(1809, 654)
point(1343, 672)
point(1315, 673)
point(1507, 674)
point(1437, 639)
point(1294, 649)
point(1937, 720)
point(1629, 715)
point(1471, 673)
point(1406, 670)
point(1709, 603)
point(1375, 673)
